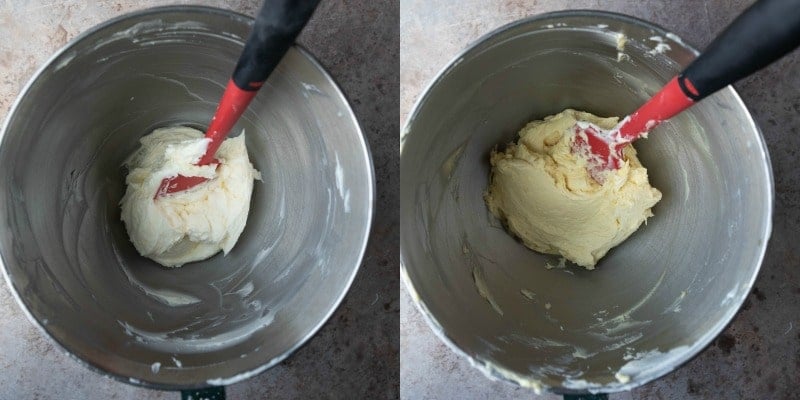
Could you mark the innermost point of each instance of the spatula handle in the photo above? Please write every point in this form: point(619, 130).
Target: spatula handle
point(277, 25)
point(766, 31)
point(763, 33)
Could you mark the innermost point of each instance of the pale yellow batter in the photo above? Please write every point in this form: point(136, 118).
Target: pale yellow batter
point(194, 224)
point(546, 197)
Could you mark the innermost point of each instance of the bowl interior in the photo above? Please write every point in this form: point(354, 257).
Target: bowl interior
point(655, 300)
point(66, 251)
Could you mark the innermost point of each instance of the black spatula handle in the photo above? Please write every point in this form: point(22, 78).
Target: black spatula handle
point(277, 25)
point(763, 33)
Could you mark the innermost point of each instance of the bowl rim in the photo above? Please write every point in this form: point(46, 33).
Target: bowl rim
point(362, 247)
point(499, 373)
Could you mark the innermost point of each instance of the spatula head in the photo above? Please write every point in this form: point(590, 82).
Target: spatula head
point(180, 183)
point(177, 184)
point(602, 149)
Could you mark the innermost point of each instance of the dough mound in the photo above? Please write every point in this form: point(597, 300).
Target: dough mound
point(546, 197)
point(195, 224)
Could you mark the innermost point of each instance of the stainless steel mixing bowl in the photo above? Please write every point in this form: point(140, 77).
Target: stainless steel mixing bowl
point(653, 302)
point(67, 256)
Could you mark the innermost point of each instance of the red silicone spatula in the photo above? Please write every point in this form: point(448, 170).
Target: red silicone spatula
point(277, 25)
point(763, 33)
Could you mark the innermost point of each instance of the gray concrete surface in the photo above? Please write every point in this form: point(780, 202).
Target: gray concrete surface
point(758, 356)
point(355, 355)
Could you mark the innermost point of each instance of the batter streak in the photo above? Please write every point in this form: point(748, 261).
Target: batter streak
point(546, 197)
point(195, 224)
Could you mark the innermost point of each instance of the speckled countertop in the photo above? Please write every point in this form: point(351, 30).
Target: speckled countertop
point(355, 355)
point(758, 355)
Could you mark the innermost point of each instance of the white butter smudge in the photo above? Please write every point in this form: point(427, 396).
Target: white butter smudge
point(661, 47)
point(309, 88)
point(483, 290)
point(493, 371)
point(344, 192)
point(621, 41)
point(527, 293)
point(240, 377)
point(644, 365)
point(67, 58)
point(675, 38)
point(245, 290)
point(676, 305)
point(729, 296)
point(170, 297)
point(452, 161)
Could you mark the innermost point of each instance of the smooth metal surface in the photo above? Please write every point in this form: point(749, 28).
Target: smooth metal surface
point(656, 300)
point(66, 253)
